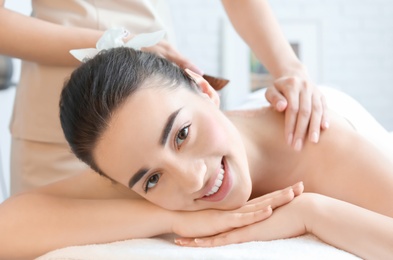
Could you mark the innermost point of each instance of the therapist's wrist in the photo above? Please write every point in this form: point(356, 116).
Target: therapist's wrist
point(297, 70)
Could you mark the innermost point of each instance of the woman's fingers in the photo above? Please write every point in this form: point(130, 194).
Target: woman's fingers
point(286, 194)
point(231, 237)
point(286, 221)
point(194, 224)
point(241, 219)
point(281, 198)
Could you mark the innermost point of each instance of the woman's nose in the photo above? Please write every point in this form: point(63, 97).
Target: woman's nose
point(190, 174)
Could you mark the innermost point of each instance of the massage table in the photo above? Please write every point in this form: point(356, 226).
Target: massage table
point(303, 247)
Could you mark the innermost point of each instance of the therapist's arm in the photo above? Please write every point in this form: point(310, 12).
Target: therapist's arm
point(293, 91)
point(32, 39)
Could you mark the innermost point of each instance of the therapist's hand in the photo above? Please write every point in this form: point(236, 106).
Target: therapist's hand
point(304, 106)
point(167, 51)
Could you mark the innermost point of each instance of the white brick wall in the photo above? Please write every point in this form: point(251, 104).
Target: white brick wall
point(355, 37)
point(197, 27)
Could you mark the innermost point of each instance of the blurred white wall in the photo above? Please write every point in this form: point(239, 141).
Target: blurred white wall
point(354, 52)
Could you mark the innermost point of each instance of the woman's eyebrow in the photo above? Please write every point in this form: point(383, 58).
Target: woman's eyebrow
point(136, 177)
point(168, 127)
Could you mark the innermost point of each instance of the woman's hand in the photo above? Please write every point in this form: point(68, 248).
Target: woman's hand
point(212, 222)
point(304, 106)
point(286, 222)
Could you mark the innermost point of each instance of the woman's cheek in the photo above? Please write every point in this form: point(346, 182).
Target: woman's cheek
point(212, 133)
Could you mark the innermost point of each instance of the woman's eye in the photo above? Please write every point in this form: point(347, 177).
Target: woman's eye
point(152, 181)
point(181, 136)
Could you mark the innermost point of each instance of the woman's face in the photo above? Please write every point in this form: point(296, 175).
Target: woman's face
point(176, 149)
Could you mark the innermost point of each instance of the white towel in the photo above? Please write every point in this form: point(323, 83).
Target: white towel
point(304, 248)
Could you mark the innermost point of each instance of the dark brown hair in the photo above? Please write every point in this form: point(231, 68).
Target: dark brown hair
point(101, 85)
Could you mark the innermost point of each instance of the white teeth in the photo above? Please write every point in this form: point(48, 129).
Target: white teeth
point(221, 175)
point(217, 184)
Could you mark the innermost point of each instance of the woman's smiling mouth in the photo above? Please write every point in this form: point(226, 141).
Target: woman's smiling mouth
point(221, 186)
point(217, 183)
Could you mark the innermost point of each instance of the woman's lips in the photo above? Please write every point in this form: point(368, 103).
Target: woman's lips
point(221, 186)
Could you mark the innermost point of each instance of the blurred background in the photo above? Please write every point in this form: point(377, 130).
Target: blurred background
point(347, 45)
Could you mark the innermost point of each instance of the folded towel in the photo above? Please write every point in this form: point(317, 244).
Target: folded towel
point(161, 248)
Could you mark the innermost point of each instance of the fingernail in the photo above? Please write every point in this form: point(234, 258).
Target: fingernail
point(298, 144)
point(181, 242)
point(280, 105)
point(326, 124)
point(314, 137)
point(290, 139)
point(177, 241)
point(269, 208)
point(198, 241)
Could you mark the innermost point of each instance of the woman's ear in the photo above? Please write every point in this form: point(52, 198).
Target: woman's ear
point(205, 87)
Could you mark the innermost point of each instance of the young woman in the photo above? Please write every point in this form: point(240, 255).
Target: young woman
point(165, 151)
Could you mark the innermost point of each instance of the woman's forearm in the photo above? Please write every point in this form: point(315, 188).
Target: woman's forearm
point(33, 224)
point(43, 42)
point(357, 230)
point(349, 227)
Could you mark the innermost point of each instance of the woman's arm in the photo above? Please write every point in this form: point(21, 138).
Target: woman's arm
point(34, 223)
point(354, 229)
point(357, 230)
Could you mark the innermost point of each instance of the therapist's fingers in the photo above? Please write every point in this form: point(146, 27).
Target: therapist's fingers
point(275, 98)
point(319, 116)
point(291, 93)
point(316, 120)
point(183, 62)
point(284, 97)
point(167, 51)
point(303, 119)
point(304, 106)
point(325, 122)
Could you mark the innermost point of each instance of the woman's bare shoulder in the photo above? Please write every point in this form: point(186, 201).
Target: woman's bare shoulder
point(345, 164)
point(87, 185)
